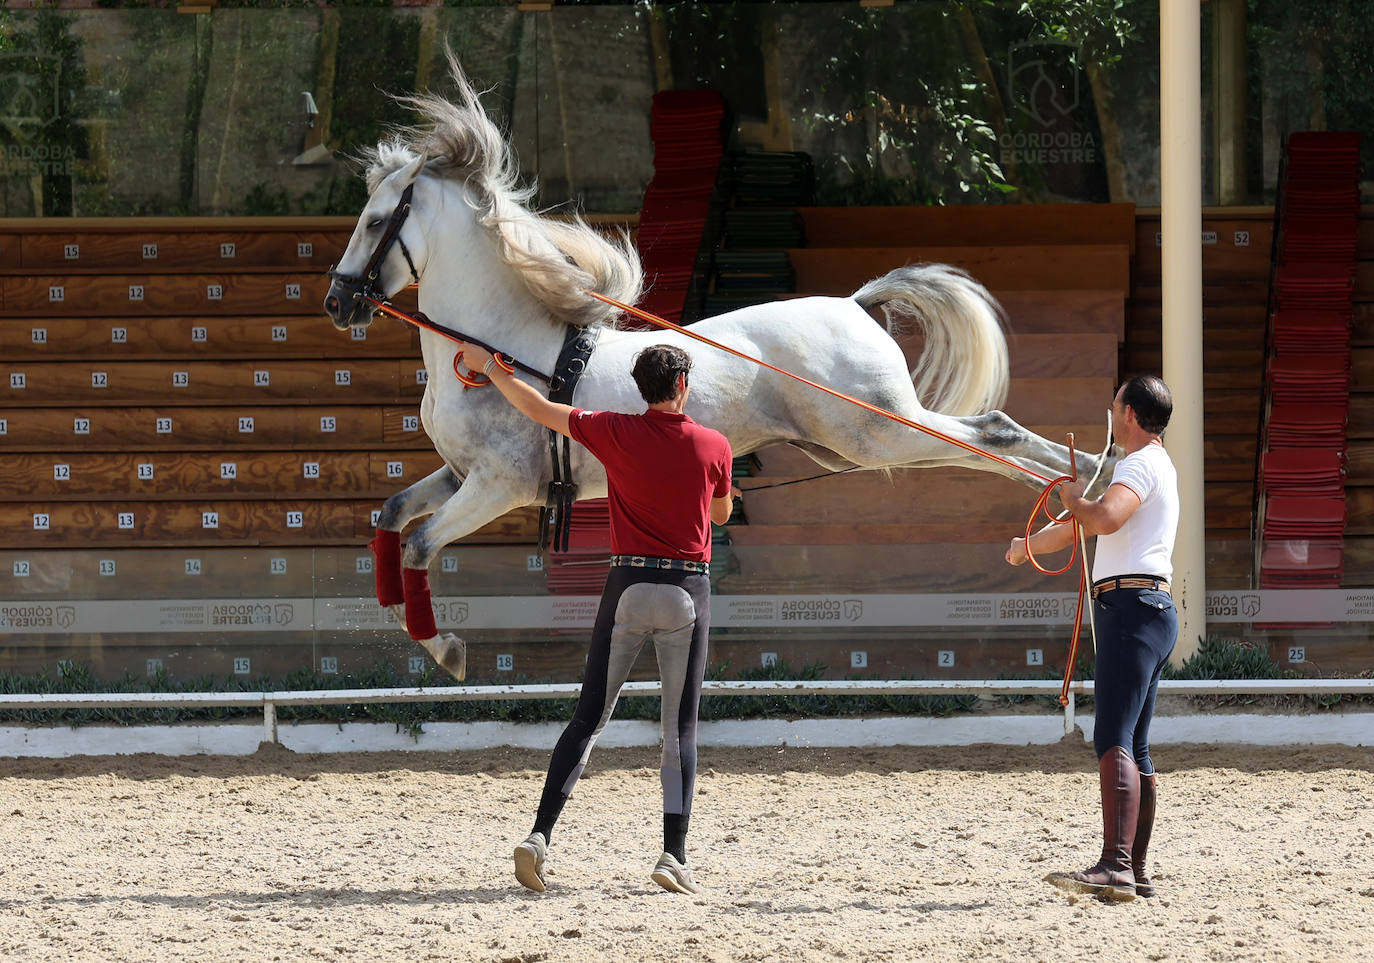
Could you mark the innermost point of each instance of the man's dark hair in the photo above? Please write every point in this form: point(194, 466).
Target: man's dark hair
point(656, 370)
point(1149, 398)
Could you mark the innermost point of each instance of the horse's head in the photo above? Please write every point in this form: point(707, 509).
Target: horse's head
point(382, 253)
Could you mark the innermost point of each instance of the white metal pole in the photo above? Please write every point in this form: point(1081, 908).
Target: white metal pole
point(1180, 161)
point(269, 721)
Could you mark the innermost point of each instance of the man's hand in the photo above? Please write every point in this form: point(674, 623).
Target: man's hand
point(475, 357)
point(526, 400)
point(1016, 552)
point(1071, 492)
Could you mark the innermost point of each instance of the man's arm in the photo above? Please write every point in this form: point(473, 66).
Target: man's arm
point(1100, 516)
point(1054, 537)
point(1103, 515)
point(724, 506)
point(523, 397)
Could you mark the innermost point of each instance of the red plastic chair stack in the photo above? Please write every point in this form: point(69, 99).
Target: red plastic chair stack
point(1308, 426)
point(1302, 468)
point(1316, 472)
point(583, 568)
point(686, 127)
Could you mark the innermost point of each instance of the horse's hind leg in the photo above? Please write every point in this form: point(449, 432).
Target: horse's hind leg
point(889, 444)
point(421, 498)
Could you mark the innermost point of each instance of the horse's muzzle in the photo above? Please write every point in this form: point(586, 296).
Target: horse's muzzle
point(345, 308)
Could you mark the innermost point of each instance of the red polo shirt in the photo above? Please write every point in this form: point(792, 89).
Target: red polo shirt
point(663, 470)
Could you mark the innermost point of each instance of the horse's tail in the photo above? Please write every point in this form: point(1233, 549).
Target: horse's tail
point(963, 369)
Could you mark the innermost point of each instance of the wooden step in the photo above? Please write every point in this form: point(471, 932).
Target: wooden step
point(166, 252)
point(172, 428)
point(340, 381)
point(841, 271)
point(173, 338)
point(108, 295)
point(1240, 252)
point(974, 225)
point(1044, 355)
point(134, 524)
point(1068, 311)
point(1217, 294)
point(80, 476)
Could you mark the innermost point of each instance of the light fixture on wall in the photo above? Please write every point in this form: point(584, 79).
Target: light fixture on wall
point(313, 152)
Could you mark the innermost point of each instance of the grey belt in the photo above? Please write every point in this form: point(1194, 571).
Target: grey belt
point(649, 561)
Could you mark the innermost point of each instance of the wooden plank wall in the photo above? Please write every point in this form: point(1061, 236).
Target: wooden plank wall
point(1236, 251)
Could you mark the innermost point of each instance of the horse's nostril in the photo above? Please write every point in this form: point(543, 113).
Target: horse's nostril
point(331, 303)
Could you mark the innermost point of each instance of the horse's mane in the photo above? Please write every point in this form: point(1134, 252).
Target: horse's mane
point(557, 259)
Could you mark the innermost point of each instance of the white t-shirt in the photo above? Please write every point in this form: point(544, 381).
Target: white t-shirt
point(1145, 544)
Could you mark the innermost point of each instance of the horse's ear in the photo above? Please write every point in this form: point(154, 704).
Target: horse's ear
point(412, 170)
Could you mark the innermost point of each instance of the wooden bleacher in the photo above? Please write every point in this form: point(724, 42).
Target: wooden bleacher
point(175, 380)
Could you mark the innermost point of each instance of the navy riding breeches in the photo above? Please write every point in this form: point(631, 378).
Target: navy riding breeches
point(1136, 631)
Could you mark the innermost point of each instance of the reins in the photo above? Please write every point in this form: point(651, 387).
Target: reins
point(419, 320)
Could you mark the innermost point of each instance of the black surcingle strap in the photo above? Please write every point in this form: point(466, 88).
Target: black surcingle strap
point(556, 514)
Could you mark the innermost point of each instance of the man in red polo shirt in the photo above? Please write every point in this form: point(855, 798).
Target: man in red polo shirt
point(668, 478)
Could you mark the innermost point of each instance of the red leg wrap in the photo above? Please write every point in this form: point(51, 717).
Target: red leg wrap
point(419, 611)
point(387, 548)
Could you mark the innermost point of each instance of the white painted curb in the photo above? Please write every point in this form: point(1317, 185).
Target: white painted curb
point(239, 739)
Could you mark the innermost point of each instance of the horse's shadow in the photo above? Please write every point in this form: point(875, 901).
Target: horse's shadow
point(320, 896)
point(228, 902)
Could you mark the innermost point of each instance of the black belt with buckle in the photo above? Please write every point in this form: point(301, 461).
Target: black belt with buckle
point(649, 561)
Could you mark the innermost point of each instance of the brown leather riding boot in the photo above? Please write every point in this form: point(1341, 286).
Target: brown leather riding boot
point(1112, 877)
point(1145, 822)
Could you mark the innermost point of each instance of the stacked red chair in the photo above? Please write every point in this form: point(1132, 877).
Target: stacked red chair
point(583, 568)
point(687, 127)
point(1302, 468)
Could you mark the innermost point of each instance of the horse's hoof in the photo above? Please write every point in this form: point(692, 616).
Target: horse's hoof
point(450, 652)
point(398, 612)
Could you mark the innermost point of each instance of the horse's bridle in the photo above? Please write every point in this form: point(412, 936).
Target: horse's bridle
point(364, 287)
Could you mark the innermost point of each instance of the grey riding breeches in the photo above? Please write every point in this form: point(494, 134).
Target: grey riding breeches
point(674, 609)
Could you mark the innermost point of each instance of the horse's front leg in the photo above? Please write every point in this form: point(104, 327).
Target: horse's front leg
point(421, 498)
point(478, 501)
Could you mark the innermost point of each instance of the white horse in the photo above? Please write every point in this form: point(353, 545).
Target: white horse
point(514, 279)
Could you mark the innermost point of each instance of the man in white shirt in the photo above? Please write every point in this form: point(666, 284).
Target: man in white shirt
point(1135, 521)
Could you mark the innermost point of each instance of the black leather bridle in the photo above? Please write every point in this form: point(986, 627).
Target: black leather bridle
point(364, 287)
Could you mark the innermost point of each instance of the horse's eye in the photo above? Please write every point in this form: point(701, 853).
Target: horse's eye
point(374, 223)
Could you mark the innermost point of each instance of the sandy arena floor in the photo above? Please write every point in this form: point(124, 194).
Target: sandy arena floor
point(891, 854)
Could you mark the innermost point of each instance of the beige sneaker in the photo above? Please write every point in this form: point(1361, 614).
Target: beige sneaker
point(529, 862)
point(673, 876)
